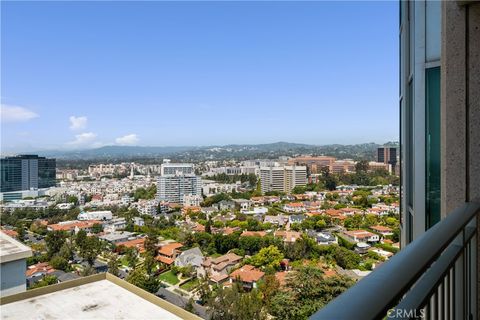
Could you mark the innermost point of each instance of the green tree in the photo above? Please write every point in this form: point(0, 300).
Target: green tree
point(208, 226)
point(20, 232)
point(269, 286)
point(87, 271)
point(90, 249)
point(234, 304)
point(139, 278)
point(149, 263)
point(80, 238)
point(113, 264)
point(361, 166)
point(72, 199)
point(132, 257)
point(59, 263)
point(345, 258)
point(151, 243)
point(307, 291)
point(66, 251)
point(46, 281)
point(54, 242)
point(269, 257)
point(97, 228)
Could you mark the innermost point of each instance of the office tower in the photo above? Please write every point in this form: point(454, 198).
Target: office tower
point(178, 180)
point(387, 155)
point(25, 172)
point(282, 178)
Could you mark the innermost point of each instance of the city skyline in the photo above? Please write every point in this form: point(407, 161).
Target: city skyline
point(236, 73)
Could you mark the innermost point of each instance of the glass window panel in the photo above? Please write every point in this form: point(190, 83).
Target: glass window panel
point(432, 154)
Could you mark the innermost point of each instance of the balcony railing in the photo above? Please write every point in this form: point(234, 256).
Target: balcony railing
point(434, 277)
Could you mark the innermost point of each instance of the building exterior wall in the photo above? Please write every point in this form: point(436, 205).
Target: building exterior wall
point(460, 113)
point(12, 275)
point(420, 57)
point(440, 115)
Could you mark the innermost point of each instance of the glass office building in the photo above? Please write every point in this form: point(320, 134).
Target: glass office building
point(26, 172)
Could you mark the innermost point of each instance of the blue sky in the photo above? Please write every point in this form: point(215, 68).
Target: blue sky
point(86, 74)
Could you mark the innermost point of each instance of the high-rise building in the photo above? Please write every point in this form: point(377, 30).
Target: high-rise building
point(178, 180)
point(387, 155)
point(282, 178)
point(25, 172)
point(168, 168)
point(437, 269)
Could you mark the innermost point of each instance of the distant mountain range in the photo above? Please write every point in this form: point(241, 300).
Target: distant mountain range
point(235, 151)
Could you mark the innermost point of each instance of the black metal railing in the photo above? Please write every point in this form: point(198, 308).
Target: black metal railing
point(434, 277)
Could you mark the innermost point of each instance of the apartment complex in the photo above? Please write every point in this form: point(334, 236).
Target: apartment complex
point(26, 172)
point(282, 178)
point(178, 180)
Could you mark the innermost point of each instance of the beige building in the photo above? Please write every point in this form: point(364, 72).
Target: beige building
point(282, 178)
point(314, 164)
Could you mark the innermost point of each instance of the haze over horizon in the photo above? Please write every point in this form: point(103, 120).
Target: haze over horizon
point(79, 75)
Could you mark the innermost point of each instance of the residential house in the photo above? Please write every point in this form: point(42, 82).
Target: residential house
point(296, 218)
point(37, 271)
point(255, 211)
point(361, 236)
point(117, 236)
point(295, 207)
point(243, 204)
point(225, 205)
point(247, 275)
point(279, 220)
point(167, 253)
point(324, 238)
point(384, 231)
point(253, 234)
point(73, 226)
point(383, 253)
point(217, 269)
point(288, 236)
point(115, 224)
point(134, 243)
point(191, 257)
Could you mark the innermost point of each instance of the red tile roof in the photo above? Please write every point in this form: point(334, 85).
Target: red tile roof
point(381, 229)
point(169, 249)
point(165, 260)
point(11, 233)
point(247, 273)
point(43, 267)
point(253, 234)
point(73, 224)
point(135, 243)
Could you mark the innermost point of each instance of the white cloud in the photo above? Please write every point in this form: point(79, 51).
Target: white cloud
point(129, 139)
point(83, 139)
point(78, 123)
point(16, 114)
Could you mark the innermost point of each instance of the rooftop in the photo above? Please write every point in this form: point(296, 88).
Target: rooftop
point(101, 296)
point(11, 249)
